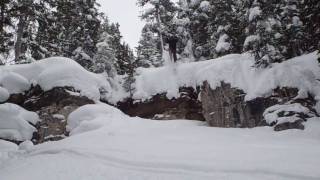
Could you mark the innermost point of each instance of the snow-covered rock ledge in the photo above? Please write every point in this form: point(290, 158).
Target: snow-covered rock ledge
point(49, 73)
point(237, 70)
point(232, 89)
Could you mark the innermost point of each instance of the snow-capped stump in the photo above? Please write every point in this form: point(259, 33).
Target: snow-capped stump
point(15, 122)
point(287, 116)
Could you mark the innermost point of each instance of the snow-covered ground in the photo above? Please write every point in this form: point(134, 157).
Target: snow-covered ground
point(106, 144)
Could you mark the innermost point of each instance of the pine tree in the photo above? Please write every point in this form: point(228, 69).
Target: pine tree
point(104, 60)
point(6, 37)
point(183, 25)
point(45, 42)
point(310, 17)
point(159, 16)
point(130, 68)
point(70, 31)
point(264, 33)
point(148, 53)
point(199, 29)
point(293, 28)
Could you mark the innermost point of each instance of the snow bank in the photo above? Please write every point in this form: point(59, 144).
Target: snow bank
point(6, 148)
point(14, 122)
point(301, 72)
point(134, 148)
point(50, 73)
point(88, 117)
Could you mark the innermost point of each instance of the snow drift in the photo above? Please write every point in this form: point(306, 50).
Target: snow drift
point(14, 122)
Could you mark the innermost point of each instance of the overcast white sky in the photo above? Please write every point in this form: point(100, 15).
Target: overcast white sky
point(126, 13)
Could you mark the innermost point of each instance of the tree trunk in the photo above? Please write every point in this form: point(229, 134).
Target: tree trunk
point(18, 44)
point(160, 30)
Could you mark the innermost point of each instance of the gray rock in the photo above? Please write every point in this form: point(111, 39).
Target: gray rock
point(290, 125)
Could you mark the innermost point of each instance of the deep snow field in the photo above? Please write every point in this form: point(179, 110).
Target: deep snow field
point(106, 144)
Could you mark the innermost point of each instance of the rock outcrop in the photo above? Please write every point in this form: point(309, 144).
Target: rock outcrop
point(53, 107)
point(159, 107)
point(226, 107)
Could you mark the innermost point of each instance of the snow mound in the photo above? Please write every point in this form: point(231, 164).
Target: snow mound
point(6, 148)
point(14, 83)
point(53, 72)
point(237, 69)
point(88, 117)
point(4, 94)
point(15, 122)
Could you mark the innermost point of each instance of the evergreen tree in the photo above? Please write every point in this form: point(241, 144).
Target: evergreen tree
point(148, 53)
point(310, 15)
point(293, 29)
point(183, 25)
point(199, 29)
point(71, 30)
point(104, 60)
point(6, 37)
point(159, 15)
point(264, 33)
point(130, 68)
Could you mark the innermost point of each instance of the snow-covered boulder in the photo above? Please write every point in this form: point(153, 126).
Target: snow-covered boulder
point(92, 117)
point(15, 122)
point(53, 72)
point(287, 116)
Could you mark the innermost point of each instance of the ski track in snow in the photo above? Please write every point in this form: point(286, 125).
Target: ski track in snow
point(168, 168)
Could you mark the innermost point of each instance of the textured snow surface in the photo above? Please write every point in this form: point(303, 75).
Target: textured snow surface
point(50, 73)
point(301, 72)
point(14, 122)
point(6, 149)
point(137, 149)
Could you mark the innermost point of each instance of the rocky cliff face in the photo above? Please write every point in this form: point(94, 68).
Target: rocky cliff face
point(159, 107)
point(224, 107)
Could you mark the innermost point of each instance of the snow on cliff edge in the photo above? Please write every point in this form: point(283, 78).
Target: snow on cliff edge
point(52, 72)
point(237, 69)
